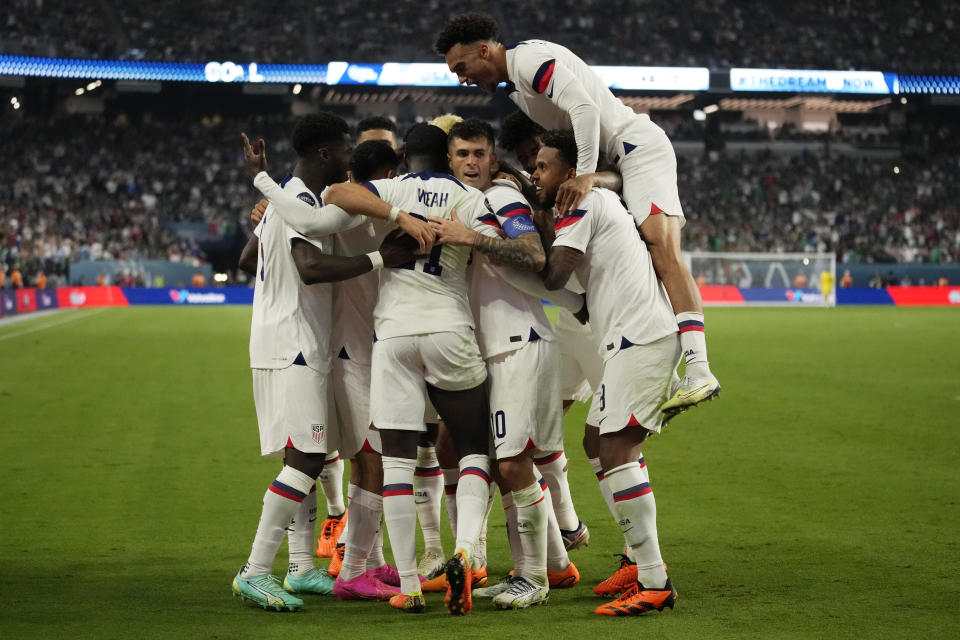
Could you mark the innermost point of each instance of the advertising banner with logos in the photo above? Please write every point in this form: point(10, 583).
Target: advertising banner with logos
point(8, 302)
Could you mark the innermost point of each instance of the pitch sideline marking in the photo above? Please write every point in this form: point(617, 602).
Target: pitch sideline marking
point(50, 325)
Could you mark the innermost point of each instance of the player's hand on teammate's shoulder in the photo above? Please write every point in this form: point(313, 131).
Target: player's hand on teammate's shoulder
point(572, 192)
point(398, 248)
point(452, 231)
point(254, 156)
point(419, 230)
point(256, 214)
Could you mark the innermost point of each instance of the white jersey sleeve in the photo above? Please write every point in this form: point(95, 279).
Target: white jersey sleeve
point(303, 212)
point(539, 71)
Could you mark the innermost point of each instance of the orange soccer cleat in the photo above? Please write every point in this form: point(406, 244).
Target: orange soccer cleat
point(337, 562)
point(478, 580)
point(621, 580)
point(459, 579)
point(639, 600)
point(563, 579)
point(413, 603)
point(330, 535)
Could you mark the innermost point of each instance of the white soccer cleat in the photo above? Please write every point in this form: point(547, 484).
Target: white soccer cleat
point(431, 564)
point(521, 594)
point(495, 590)
point(690, 392)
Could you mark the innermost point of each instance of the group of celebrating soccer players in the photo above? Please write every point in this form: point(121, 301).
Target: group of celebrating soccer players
point(388, 304)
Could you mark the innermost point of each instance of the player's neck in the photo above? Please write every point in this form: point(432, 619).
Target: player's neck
point(311, 176)
point(499, 59)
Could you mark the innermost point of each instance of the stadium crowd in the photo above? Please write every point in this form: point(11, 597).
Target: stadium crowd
point(94, 188)
point(908, 37)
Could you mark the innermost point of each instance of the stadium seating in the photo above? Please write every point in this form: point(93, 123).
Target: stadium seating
point(908, 37)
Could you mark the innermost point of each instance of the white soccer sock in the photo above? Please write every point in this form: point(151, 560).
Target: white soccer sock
point(553, 467)
point(637, 517)
point(280, 503)
point(479, 558)
point(376, 560)
point(531, 507)
point(365, 511)
point(513, 536)
point(300, 534)
point(427, 489)
point(351, 491)
point(473, 494)
point(400, 514)
point(604, 487)
point(557, 557)
point(693, 341)
point(450, 479)
point(331, 481)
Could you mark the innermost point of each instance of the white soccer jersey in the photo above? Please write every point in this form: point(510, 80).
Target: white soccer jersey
point(428, 295)
point(291, 320)
point(507, 318)
point(560, 91)
point(626, 301)
point(355, 299)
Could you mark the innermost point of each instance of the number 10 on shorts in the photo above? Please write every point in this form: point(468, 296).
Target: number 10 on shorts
point(499, 420)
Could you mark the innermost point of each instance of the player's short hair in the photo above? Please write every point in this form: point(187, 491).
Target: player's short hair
point(427, 141)
point(563, 142)
point(466, 28)
point(317, 130)
point(446, 121)
point(472, 129)
point(370, 158)
point(376, 122)
point(516, 128)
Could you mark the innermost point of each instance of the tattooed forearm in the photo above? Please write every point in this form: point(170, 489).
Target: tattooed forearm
point(524, 252)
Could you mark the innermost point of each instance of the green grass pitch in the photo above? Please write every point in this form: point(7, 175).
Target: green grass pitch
point(817, 498)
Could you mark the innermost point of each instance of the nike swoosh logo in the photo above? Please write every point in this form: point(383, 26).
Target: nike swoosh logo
point(497, 446)
point(693, 392)
point(600, 421)
point(630, 529)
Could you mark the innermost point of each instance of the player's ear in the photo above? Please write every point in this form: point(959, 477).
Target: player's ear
point(391, 173)
point(494, 164)
point(350, 176)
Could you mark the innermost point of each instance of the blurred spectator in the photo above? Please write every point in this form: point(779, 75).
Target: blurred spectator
point(16, 278)
point(800, 280)
point(41, 281)
point(199, 280)
point(908, 36)
point(846, 281)
point(943, 282)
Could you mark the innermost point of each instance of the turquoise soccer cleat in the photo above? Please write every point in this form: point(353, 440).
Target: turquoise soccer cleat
point(265, 591)
point(316, 581)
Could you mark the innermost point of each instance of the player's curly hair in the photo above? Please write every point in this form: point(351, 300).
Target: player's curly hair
point(427, 141)
point(564, 142)
point(376, 122)
point(465, 29)
point(316, 130)
point(516, 128)
point(472, 129)
point(370, 158)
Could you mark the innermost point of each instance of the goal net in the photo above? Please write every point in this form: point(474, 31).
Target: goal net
point(770, 279)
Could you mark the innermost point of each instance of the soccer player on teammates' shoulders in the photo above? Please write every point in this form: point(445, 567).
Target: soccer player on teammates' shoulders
point(560, 91)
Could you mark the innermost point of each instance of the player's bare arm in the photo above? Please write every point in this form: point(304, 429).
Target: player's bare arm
point(358, 199)
point(562, 262)
point(523, 252)
point(315, 266)
point(574, 190)
point(248, 257)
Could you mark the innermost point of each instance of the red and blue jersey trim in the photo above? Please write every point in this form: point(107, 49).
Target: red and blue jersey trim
point(542, 78)
point(371, 188)
point(571, 218)
point(489, 219)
